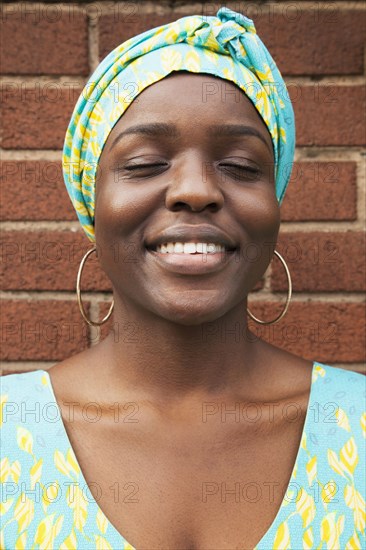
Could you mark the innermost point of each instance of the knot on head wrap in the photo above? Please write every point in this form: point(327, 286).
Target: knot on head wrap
point(226, 46)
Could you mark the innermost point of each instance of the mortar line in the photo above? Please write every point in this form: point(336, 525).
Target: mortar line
point(338, 297)
point(109, 8)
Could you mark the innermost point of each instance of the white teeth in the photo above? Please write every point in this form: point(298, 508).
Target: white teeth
point(190, 248)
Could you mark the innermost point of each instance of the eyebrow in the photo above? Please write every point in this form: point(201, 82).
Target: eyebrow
point(154, 129)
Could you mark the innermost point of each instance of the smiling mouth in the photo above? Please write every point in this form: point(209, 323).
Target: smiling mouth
point(190, 248)
point(191, 258)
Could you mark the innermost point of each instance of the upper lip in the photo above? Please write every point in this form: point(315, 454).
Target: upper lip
point(203, 233)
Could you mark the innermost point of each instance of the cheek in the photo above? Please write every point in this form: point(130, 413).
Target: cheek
point(119, 209)
point(269, 214)
point(260, 214)
point(120, 215)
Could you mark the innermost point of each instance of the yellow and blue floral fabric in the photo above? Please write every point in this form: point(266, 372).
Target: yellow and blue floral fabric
point(46, 504)
point(226, 45)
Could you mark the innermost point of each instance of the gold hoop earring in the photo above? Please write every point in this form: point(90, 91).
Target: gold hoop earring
point(287, 300)
point(81, 307)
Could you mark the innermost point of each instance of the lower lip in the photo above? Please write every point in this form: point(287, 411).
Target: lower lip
point(192, 264)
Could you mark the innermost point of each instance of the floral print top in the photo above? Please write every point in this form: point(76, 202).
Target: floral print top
point(45, 504)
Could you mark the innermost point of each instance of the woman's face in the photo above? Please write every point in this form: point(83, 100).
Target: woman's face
point(197, 176)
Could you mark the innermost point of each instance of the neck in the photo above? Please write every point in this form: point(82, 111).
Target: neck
point(169, 361)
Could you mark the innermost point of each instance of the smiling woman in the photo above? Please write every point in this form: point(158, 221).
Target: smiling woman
point(193, 185)
point(202, 441)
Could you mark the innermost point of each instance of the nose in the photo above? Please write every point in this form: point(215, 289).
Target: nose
point(194, 186)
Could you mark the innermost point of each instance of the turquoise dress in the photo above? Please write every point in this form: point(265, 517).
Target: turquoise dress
point(45, 501)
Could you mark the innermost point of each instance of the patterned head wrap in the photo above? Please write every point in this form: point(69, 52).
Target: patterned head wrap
point(226, 46)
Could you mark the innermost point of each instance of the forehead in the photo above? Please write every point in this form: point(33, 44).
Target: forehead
point(202, 87)
point(193, 101)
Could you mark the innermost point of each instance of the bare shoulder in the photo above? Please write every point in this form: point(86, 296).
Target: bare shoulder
point(70, 378)
point(280, 374)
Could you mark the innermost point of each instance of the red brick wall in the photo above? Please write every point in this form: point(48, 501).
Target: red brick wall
point(48, 51)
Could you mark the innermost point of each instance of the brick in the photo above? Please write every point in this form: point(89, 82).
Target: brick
point(49, 260)
point(43, 330)
point(124, 24)
point(39, 188)
point(44, 40)
point(321, 261)
point(320, 331)
point(328, 114)
point(317, 46)
point(37, 116)
point(327, 332)
point(321, 191)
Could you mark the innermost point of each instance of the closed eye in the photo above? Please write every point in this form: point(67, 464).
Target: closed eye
point(237, 171)
point(242, 172)
point(238, 167)
point(139, 166)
